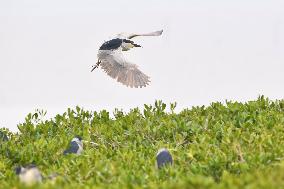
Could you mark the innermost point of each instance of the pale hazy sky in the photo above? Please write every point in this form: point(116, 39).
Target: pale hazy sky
point(209, 51)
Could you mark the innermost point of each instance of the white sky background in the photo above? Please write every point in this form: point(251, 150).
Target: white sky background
point(209, 51)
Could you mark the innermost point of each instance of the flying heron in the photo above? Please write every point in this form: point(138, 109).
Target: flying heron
point(113, 62)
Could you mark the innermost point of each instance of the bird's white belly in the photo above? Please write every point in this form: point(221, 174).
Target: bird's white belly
point(102, 54)
point(112, 56)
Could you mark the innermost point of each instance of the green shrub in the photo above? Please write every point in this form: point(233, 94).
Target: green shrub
point(231, 145)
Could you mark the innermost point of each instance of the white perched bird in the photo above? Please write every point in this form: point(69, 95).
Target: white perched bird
point(76, 146)
point(113, 62)
point(164, 158)
point(29, 174)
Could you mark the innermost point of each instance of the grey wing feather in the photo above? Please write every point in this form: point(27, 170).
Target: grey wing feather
point(156, 33)
point(74, 147)
point(164, 158)
point(114, 64)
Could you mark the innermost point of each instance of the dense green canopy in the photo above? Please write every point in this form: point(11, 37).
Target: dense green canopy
point(231, 145)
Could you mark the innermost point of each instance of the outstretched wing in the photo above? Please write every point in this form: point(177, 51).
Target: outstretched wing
point(156, 33)
point(130, 36)
point(115, 65)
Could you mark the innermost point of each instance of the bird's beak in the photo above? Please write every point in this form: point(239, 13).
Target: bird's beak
point(136, 45)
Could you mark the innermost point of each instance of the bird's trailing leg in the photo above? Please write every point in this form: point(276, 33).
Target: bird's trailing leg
point(96, 66)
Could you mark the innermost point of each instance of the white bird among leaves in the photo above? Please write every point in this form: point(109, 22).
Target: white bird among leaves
point(113, 62)
point(29, 174)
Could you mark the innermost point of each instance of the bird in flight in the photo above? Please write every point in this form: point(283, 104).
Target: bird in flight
point(113, 62)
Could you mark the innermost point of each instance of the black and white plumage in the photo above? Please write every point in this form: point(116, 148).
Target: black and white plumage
point(164, 158)
point(76, 146)
point(29, 174)
point(114, 44)
point(114, 63)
